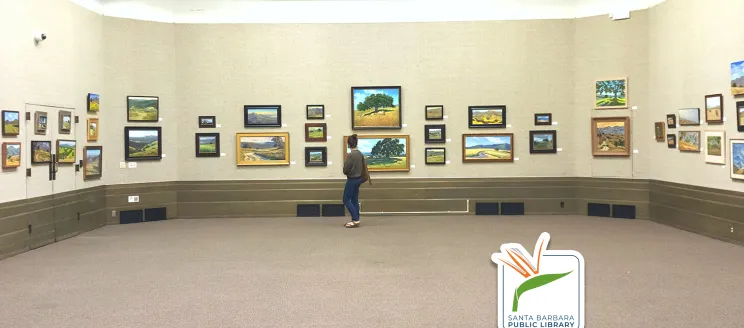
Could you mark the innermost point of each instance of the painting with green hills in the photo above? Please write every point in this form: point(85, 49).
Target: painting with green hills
point(142, 143)
point(11, 123)
point(66, 151)
point(611, 94)
point(142, 109)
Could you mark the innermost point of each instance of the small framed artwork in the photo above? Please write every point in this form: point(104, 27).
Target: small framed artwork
point(715, 148)
point(143, 109)
point(93, 126)
point(689, 116)
point(94, 102)
point(270, 148)
point(737, 159)
point(737, 78)
point(207, 145)
point(435, 133)
point(543, 142)
point(434, 112)
point(436, 156)
point(714, 108)
point(316, 132)
point(671, 141)
point(41, 152)
point(92, 162)
point(315, 112)
point(740, 116)
point(376, 108)
point(142, 143)
point(611, 136)
point(384, 153)
point(66, 151)
point(487, 116)
point(11, 123)
point(671, 121)
point(495, 147)
point(262, 116)
point(316, 156)
point(659, 131)
point(11, 155)
point(65, 122)
point(207, 122)
point(40, 123)
point(611, 94)
point(544, 119)
point(689, 141)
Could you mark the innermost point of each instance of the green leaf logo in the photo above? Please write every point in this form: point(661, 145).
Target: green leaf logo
point(532, 283)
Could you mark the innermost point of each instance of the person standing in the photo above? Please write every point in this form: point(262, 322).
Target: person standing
point(355, 169)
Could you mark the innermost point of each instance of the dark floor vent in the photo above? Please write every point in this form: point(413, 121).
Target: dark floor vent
point(334, 210)
point(308, 210)
point(134, 216)
point(512, 208)
point(486, 208)
point(596, 209)
point(624, 211)
point(155, 214)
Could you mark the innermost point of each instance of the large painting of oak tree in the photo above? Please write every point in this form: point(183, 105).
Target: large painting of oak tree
point(611, 94)
point(375, 108)
point(383, 153)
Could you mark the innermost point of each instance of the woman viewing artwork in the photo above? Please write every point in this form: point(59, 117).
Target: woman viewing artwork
point(355, 169)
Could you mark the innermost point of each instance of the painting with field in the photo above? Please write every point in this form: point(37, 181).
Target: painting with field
point(40, 122)
point(315, 112)
point(142, 143)
point(544, 119)
point(92, 129)
point(92, 162)
point(737, 78)
point(671, 121)
point(207, 144)
point(737, 159)
point(207, 121)
point(435, 133)
point(316, 156)
point(143, 109)
point(714, 108)
point(436, 155)
point(11, 123)
point(611, 136)
point(11, 153)
point(41, 152)
point(66, 122)
point(715, 151)
point(740, 116)
point(434, 112)
point(376, 108)
point(383, 153)
point(66, 151)
point(262, 116)
point(671, 141)
point(487, 116)
point(94, 102)
point(262, 148)
point(689, 116)
point(611, 94)
point(543, 142)
point(488, 147)
point(689, 141)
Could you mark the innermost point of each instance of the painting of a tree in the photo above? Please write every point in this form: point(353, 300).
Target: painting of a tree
point(611, 94)
point(375, 108)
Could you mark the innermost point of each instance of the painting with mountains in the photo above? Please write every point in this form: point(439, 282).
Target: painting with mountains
point(262, 148)
point(142, 143)
point(262, 116)
point(487, 116)
point(41, 152)
point(143, 109)
point(92, 162)
point(737, 78)
point(543, 141)
point(611, 136)
point(737, 159)
point(11, 153)
point(488, 147)
point(66, 151)
point(11, 123)
point(207, 145)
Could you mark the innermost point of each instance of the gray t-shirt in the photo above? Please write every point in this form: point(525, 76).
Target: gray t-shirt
point(354, 165)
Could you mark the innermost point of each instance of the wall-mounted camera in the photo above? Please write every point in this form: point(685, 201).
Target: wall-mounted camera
point(40, 37)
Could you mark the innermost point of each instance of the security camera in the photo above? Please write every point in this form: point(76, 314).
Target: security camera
point(40, 37)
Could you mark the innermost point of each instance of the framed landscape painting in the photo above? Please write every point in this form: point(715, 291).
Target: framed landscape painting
point(66, 151)
point(436, 156)
point(495, 147)
point(41, 152)
point(207, 122)
point(316, 132)
point(65, 122)
point(92, 162)
point(543, 142)
point(611, 136)
point(689, 141)
point(11, 123)
point(611, 94)
point(715, 147)
point(689, 116)
point(11, 155)
point(207, 144)
point(316, 156)
point(714, 108)
point(262, 116)
point(737, 159)
point(435, 133)
point(544, 119)
point(40, 123)
point(142, 143)
point(671, 121)
point(376, 108)
point(315, 112)
point(671, 141)
point(740, 116)
point(93, 126)
point(434, 112)
point(659, 131)
point(737, 78)
point(94, 102)
point(487, 116)
point(270, 148)
point(384, 153)
point(143, 109)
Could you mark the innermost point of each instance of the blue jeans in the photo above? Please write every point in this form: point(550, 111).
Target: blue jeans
point(351, 197)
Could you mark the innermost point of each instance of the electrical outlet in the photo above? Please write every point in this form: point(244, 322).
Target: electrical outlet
point(562, 204)
point(732, 229)
point(113, 214)
point(134, 199)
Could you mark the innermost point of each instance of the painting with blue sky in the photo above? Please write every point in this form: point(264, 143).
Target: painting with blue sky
point(383, 153)
point(737, 159)
point(737, 78)
point(375, 108)
point(487, 147)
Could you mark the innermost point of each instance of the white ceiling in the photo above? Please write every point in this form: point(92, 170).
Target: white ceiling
point(356, 11)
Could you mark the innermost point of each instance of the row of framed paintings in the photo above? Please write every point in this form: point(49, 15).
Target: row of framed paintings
point(715, 149)
point(11, 124)
point(41, 153)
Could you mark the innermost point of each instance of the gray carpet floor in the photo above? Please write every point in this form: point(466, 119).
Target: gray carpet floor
point(392, 272)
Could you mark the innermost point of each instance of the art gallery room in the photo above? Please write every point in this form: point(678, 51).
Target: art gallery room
point(380, 163)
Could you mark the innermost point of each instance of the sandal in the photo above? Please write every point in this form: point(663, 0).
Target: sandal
point(352, 224)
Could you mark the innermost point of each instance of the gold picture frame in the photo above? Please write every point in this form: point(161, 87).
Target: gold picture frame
point(611, 136)
point(262, 148)
point(387, 161)
point(92, 130)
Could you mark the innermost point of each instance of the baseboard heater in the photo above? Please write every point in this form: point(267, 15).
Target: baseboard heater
point(133, 216)
point(624, 211)
point(512, 208)
point(333, 210)
point(308, 210)
point(600, 210)
point(466, 211)
point(487, 208)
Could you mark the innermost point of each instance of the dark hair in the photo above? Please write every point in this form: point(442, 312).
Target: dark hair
point(352, 141)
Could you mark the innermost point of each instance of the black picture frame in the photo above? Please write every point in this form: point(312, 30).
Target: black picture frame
point(203, 124)
point(429, 127)
point(275, 124)
point(145, 98)
point(324, 153)
point(554, 135)
point(684, 123)
point(550, 119)
point(501, 125)
point(400, 108)
point(89, 101)
point(33, 146)
point(17, 127)
point(740, 116)
point(433, 118)
point(426, 156)
point(671, 141)
point(197, 144)
point(671, 121)
point(319, 117)
point(127, 140)
point(86, 175)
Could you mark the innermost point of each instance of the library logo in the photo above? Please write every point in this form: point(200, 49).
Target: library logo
point(545, 290)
